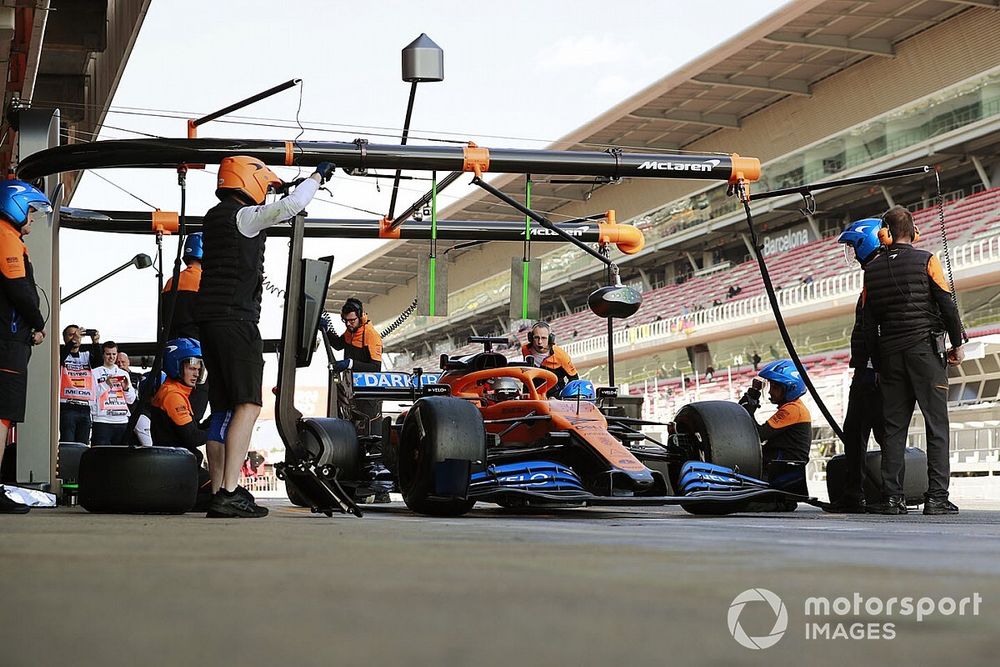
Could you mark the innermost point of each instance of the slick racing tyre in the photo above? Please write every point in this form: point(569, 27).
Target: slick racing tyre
point(726, 435)
point(295, 496)
point(332, 442)
point(443, 441)
point(141, 480)
point(327, 441)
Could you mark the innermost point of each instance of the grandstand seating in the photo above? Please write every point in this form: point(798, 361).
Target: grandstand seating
point(965, 218)
point(976, 215)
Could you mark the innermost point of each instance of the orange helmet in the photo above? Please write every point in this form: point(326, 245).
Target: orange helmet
point(246, 175)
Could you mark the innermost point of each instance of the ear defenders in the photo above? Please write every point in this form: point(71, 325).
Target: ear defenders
point(353, 305)
point(542, 323)
point(885, 236)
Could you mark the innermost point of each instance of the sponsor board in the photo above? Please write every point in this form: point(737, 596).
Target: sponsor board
point(392, 380)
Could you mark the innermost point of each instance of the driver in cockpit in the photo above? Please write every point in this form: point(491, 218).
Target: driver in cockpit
point(502, 389)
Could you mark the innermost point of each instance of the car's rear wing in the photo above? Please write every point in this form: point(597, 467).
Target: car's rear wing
point(397, 385)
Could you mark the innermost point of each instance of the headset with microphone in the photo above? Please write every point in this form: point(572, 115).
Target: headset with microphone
point(538, 325)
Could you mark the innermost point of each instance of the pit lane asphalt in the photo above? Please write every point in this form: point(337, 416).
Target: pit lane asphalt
point(597, 586)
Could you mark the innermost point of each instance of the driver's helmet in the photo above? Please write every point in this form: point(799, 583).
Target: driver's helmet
point(579, 390)
point(502, 389)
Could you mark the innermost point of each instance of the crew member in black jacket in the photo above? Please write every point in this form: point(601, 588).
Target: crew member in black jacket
point(228, 310)
point(864, 402)
point(910, 316)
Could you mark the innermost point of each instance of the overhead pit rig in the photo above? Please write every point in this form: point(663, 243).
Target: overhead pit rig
point(309, 441)
point(602, 229)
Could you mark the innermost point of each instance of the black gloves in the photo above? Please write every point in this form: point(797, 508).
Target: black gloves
point(325, 171)
point(751, 400)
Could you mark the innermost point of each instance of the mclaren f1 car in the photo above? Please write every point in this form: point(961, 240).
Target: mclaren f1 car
point(482, 430)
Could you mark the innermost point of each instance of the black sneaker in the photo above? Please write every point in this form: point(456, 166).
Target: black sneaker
point(894, 506)
point(848, 506)
point(938, 506)
point(233, 505)
point(8, 506)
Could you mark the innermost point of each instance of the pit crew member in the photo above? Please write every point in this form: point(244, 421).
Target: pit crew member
point(864, 402)
point(786, 436)
point(22, 324)
point(228, 308)
point(541, 351)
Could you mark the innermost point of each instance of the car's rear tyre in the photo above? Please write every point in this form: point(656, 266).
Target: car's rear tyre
point(141, 480)
point(442, 439)
point(726, 435)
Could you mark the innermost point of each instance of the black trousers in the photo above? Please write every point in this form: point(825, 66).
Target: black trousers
point(74, 423)
point(915, 375)
point(864, 418)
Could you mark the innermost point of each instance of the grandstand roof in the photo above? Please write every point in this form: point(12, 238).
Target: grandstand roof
point(68, 56)
point(782, 55)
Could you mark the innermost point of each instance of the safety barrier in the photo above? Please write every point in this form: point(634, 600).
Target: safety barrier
point(967, 255)
point(263, 482)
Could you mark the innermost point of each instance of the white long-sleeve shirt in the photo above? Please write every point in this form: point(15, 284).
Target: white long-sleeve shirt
point(251, 220)
point(113, 394)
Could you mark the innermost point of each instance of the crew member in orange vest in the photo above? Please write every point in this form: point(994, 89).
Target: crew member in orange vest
point(362, 347)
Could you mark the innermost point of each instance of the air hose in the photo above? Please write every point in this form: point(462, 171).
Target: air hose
point(741, 192)
point(947, 254)
point(399, 320)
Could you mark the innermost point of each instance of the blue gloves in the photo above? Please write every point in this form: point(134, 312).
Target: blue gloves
point(325, 171)
point(342, 365)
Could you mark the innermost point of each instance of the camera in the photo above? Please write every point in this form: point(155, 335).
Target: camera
point(90, 332)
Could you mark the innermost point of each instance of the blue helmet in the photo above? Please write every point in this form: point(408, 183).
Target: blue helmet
point(863, 237)
point(192, 246)
point(177, 352)
point(17, 198)
point(579, 390)
point(783, 372)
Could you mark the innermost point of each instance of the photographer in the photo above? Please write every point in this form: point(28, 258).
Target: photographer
point(76, 384)
point(910, 316)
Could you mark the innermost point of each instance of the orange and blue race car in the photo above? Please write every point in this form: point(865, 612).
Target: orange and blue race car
point(482, 431)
